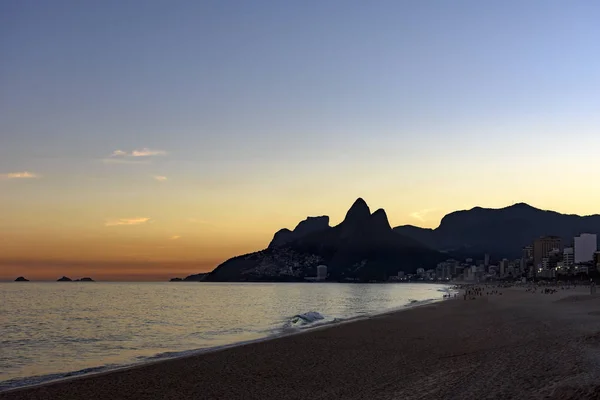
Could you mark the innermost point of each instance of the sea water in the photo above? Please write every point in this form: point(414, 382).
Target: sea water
point(54, 330)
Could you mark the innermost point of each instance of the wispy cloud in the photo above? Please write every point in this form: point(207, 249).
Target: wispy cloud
point(175, 237)
point(127, 221)
point(160, 178)
point(421, 215)
point(123, 161)
point(145, 152)
point(19, 175)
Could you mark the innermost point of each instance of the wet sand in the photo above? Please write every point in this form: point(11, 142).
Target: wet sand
point(514, 346)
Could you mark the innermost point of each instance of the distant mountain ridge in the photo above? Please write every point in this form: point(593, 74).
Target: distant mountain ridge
point(362, 247)
point(500, 232)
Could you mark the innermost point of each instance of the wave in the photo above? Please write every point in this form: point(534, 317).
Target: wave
point(449, 291)
point(306, 318)
point(414, 303)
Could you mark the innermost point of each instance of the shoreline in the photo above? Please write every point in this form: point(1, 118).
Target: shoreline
point(514, 345)
point(181, 355)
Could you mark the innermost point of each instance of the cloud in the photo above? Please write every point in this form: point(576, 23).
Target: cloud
point(19, 175)
point(123, 161)
point(422, 214)
point(175, 237)
point(145, 152)
point(127, 221)
point(160, 178)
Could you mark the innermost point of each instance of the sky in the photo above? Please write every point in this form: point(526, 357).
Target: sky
point(147, 139)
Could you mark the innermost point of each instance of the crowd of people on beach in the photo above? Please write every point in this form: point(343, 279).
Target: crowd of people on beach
point(534, 289)
point(472, 291)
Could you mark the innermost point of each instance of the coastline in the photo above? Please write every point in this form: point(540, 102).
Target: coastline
point(518, 345)
point(44, 380)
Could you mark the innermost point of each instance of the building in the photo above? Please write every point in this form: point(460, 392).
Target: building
point(585, 246)
point(471, 273)
point(547, 273)
point(467, 274)
point(486, 259)
point(504, 267)
point(526, 258)
point(554, 256)
point(400, 275)
point(493, 270)
point(321, 272)
point(597, 260)
point(542, 248)
point(581, 269)
point(527, 253)
point(568, 257)
point(511, 271)
point(561, 269)
point(446, 270)
point(519, 266)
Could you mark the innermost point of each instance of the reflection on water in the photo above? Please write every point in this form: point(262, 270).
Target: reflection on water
point(54, 328)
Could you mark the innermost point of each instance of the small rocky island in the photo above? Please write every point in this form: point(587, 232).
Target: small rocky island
point(86, 279)
point(21, 279)
point(65, 279)
point(191, 278)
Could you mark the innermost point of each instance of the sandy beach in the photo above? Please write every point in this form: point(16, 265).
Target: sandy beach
point(512, 346)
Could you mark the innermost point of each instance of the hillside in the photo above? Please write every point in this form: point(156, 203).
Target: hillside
point(500, 232)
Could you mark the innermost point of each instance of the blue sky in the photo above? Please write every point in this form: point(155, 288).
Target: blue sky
point(82, 77)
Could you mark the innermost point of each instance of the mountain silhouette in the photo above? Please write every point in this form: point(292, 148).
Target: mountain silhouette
point(500, 232)
point(362, 247)
point(195, 277)
point(309, 225)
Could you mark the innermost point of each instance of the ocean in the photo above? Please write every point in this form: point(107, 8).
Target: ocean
point(50, 331)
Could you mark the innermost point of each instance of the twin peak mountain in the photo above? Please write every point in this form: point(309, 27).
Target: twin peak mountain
point(358, 217)
point(364, 247)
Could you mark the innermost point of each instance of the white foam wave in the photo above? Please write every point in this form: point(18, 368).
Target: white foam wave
point(307, 318)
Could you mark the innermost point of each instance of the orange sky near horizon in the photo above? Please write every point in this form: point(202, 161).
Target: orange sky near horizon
point(162, 245)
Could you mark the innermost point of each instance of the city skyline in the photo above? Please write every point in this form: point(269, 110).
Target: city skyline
point(163, 138)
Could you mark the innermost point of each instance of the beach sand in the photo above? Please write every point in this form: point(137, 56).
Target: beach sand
point(515, 346)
